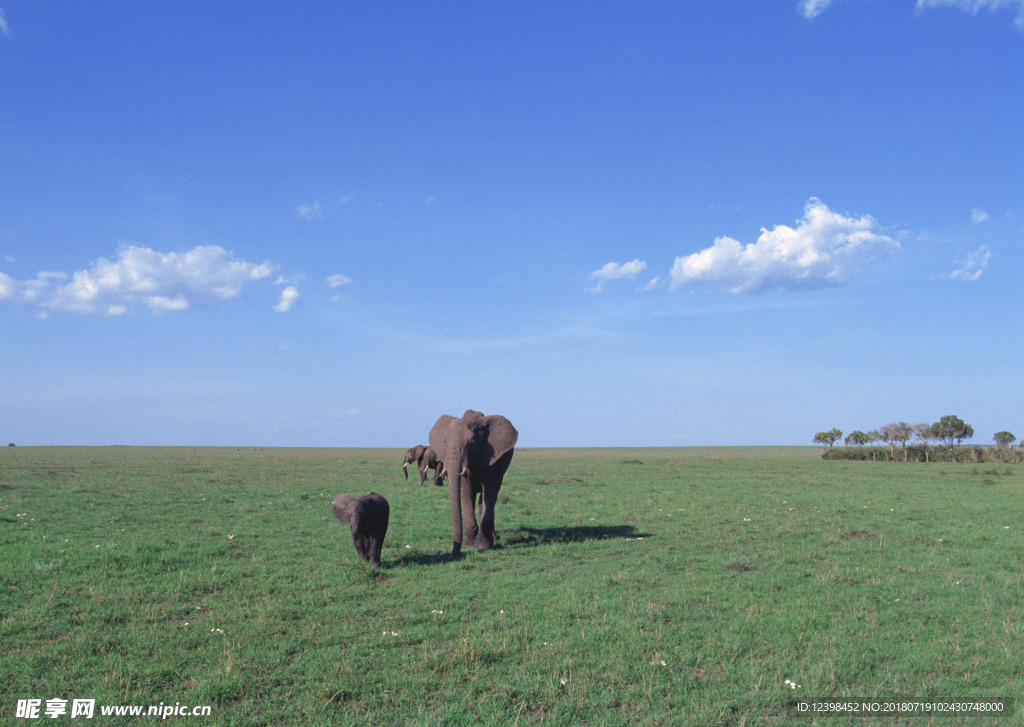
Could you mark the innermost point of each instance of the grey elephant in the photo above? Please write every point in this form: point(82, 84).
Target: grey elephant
point(426, 459)
point(413, 454)
point(431, 461)
point(476, 451)
point(368, 516)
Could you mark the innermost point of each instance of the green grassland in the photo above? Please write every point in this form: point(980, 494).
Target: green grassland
point(630, 587)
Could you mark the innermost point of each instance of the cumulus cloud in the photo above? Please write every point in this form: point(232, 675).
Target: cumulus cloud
point(825, 249)
point(976, 6)
point(164, 282)
point(979, 216)
point(813, 8)
point(289, 297)
point(616, 271)
point(973, 266)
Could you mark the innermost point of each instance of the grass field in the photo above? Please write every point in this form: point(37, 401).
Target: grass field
point(631, 587)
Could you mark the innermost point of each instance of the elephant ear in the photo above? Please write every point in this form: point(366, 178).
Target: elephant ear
point(501, 438)
point(438, 434)
point(342, 507)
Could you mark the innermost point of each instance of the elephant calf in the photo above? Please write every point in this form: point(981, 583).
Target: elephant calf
point(368, 517)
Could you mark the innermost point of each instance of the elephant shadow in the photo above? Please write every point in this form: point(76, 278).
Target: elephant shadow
point(420, 559)
point(532, 537)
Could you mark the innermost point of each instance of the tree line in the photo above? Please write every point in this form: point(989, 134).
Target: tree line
point(915, 442)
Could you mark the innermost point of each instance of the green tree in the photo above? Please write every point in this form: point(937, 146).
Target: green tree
point(827, 439)
point(1004, 439)
point(856, 437)
point(952, 430)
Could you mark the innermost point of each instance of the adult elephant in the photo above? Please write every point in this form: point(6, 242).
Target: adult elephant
point(431, 461)
point(425, 458)
point(475, 450)
point(413, 454)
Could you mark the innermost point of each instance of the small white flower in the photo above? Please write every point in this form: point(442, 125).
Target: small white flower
point(565, 680)
point(502, 611)
point(231, 537)
point(186, 623)
point(437, 612)
point(746, 520)
point(408, 546)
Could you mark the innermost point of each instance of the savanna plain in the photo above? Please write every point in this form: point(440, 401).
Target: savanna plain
point(717, 586)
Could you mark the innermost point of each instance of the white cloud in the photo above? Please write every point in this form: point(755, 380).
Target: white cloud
point(165, 282)
point(5, 29)
point(979, 216)
point(825, 249)
point(616, 271)
point(973, 266)
point(336, 281)
point(813, 8)
point(976, 6)
point(289, 297)
point(312, 211)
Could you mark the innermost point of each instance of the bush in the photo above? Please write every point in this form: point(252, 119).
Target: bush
point(916, 453)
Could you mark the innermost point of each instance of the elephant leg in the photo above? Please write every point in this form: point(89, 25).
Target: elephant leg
point(375, 548)
point(362, 546)
point(489, 497)
point(490, 484)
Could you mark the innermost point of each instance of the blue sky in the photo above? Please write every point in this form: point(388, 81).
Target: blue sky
point(615, 223)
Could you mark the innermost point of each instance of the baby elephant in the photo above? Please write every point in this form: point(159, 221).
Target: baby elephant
point(368, 516)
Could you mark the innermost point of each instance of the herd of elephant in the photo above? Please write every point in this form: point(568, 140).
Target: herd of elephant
point(473, 452)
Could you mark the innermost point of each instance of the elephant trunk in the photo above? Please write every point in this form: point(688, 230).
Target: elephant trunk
point(455, 498)
point(405, 469)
